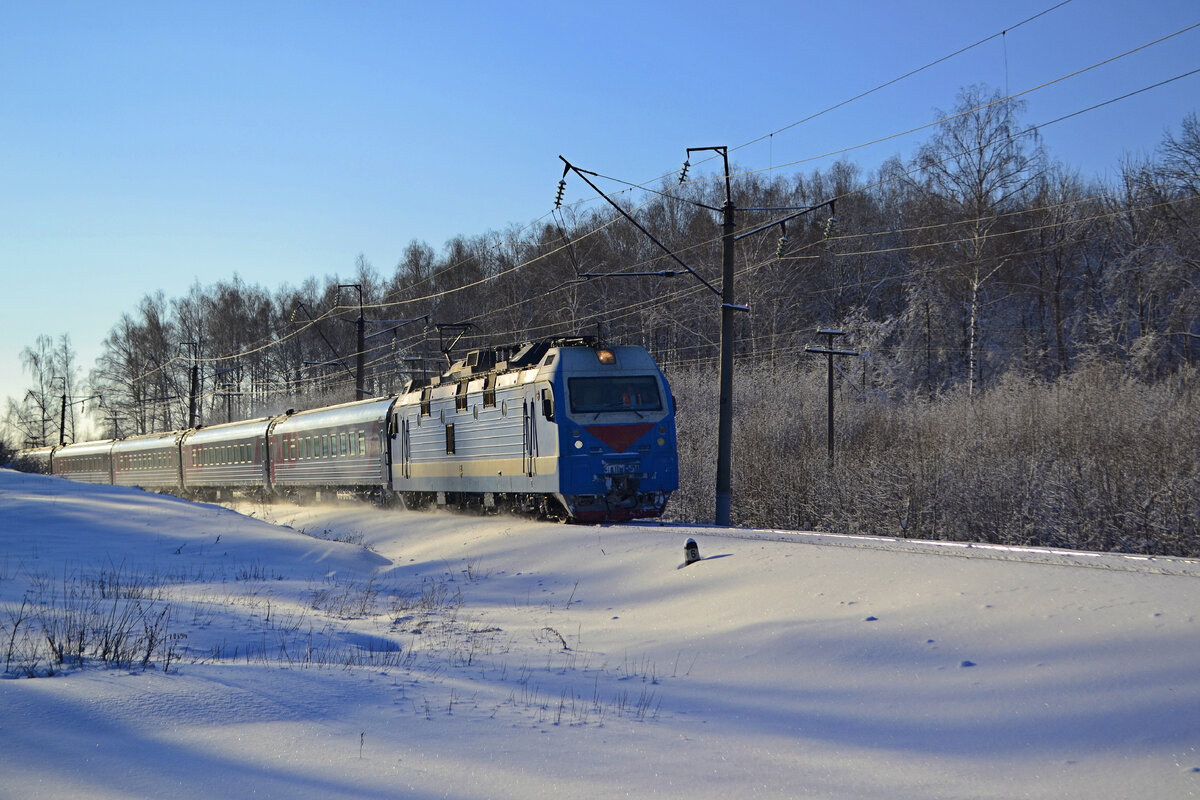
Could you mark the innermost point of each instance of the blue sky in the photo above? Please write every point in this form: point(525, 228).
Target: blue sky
point(147, 146)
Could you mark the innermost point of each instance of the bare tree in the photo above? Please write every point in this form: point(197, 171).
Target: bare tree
point(1182, 156)
point(975, 171)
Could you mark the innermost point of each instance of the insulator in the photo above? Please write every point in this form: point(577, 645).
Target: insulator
point(831, 227)
point(782, 248)
point(683, 172)
point(562, 187)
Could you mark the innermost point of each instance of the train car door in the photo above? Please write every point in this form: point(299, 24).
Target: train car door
point(530, 450)
point(389, 437)
point(400, 429)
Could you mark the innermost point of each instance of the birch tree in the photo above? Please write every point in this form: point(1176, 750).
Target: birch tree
point(975, 170)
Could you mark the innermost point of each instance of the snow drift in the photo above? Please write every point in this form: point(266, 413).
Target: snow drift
point(346, 651)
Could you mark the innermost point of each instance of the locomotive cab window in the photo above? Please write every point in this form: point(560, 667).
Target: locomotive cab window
point(624, 393)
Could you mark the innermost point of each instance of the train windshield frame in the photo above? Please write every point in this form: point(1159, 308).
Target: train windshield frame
point(598, 395)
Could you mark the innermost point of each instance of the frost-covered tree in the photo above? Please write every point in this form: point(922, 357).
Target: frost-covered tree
point(974, 174)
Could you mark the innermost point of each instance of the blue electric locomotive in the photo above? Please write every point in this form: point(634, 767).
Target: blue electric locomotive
point(558, 427)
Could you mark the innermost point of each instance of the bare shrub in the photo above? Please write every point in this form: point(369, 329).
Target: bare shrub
point(108, 617)
point(1096, 460)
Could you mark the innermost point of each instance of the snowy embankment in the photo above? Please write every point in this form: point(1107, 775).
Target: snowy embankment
point(497, 657)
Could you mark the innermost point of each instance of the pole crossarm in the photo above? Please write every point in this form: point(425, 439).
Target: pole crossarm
point(828, 352)
point(396, 324)
point(357, 286)
point(724, 153)
point(583, 174)
point(84, 400)
point(799, 213)
point(662, 273)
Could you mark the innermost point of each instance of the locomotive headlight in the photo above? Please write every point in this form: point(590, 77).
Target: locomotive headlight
point(578, 445)
point(661, 441)
point(606, 356)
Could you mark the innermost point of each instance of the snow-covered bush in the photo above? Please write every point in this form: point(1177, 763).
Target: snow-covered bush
point(1096, 460)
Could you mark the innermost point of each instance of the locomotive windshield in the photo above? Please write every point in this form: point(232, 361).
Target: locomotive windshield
point(624, 393)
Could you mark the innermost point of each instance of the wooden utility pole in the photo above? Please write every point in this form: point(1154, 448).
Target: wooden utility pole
point(725, 406)
point(829, 353)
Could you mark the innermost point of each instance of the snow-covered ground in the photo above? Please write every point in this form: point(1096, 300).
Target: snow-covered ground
point(503, 658)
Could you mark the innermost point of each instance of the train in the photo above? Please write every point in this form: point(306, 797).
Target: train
point(562, 428)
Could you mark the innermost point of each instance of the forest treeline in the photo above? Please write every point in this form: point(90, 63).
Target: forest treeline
point(1028, 339)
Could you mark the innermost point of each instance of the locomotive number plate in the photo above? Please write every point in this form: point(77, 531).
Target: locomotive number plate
point(622, 467)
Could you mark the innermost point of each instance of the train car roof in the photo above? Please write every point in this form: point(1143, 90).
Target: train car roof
point(40, 454)
point(580, 357)
point(228, 431)
point(346, 414)
point(85, 448)
point(625, 358)
point(148, 441)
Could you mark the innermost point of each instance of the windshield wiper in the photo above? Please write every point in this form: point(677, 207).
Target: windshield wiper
point(615, 407)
